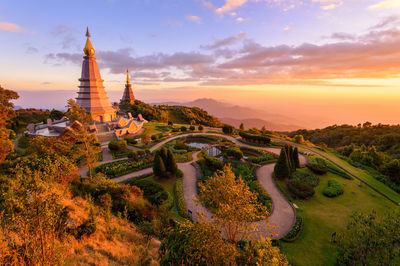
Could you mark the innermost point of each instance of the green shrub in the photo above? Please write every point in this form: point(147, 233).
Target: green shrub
point(23, 141)
point(317, 168)
point(180, 201)
point(308, 178)
point(333, 189)
point(118, 146)
point(122, 167)
point(234, 152)
point(227, 129)
point(192, 128)
point(262, 195)
point(300, 189)
point(213, 162)
point(153, 192)
point(183, 128)
point(261, 139)
point(201, 128)
point(181, 146)
point(131, 141)
point(154, 137)
point(294, 233)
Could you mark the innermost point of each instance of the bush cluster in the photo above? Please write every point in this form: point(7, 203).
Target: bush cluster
point(122, 167)
point(180, 201)
point(152, 191)
point(308, 178)
point(260, 139)
point(318, 167)
point(234, 152)
point(118, 145)
point(131, 141)
point(333, 189)
point(140, 154)
point(213, 162)
point(300, 189)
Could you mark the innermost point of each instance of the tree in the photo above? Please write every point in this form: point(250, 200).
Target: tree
point(227, 129)
point(33, 212)
point(281, 168)
point(370, 239)
point(171, 165)
point(6, 114)
point(56, 115)
point(296, 157)
point(392, 169)
point(233, 203)
point(86, 143)
point(75, 113)
point(261, 252)
point(159, 166)
point(299, 139)
point(146, 140)
point(197, 244)
point(241, 127)
point(200, 128)
point(291, 162)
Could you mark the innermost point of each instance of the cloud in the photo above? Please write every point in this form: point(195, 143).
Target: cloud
point(387, 21)
point(384, 5)
point(31, 50)
point(195, 19)
point(230, 5)
point(67, 35)
point(11, 27)
point(374, 54)
point(218, 43)
point(240, 19)
point(331, 6)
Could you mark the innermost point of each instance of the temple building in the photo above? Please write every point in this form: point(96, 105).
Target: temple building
point(127, 97)
point(92, 95)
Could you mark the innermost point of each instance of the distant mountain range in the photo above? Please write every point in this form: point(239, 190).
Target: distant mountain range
point(235, 114)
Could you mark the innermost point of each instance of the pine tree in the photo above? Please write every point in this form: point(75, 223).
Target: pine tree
point(291, 158)
point(241, 127)
point(296, 157)
point(281, 168)
point(171, 163)
point(159, 166)
point(164, 155)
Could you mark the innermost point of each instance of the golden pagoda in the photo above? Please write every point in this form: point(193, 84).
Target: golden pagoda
point(91, 94)
point(127, 97)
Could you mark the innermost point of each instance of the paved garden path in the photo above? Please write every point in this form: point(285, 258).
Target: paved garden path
point(283, 215)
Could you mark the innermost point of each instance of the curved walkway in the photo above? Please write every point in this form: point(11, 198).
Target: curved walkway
point(283, 215)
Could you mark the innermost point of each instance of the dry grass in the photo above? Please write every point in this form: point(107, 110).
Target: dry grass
point(115, 242)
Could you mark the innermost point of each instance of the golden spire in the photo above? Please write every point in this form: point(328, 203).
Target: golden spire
point(127, 77)
point(88, 49)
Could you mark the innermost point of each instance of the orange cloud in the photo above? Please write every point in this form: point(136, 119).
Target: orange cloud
point(10, 27)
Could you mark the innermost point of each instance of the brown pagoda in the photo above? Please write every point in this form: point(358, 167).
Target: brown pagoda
point(92, 95)
point(127, 97)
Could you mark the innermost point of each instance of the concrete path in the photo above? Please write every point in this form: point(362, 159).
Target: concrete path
point(282, 217)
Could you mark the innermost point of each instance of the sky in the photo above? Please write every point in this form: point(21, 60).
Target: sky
point(326, 61)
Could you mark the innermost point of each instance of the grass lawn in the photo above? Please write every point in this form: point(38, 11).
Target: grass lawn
point(323, 216)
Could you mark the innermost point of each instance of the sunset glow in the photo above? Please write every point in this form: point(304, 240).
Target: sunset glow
point(330, 61)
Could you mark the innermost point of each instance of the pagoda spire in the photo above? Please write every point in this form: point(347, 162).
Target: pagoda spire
point(127, 77)
point(128, 97)
point(88, 49)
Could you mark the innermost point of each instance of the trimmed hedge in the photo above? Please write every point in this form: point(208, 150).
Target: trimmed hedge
point(213, 162)
point(122, 167)
point(255, 138)
point(317, 168)
point(118, 145)
point(180, 201)
point(294, 233)
point(333, 189)
point(234, 152)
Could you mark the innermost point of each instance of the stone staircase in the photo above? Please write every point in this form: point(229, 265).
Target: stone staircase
point(101, 128)
point(106, 136)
